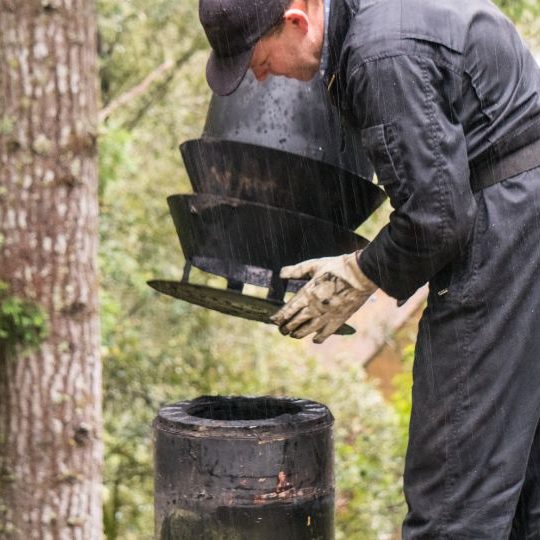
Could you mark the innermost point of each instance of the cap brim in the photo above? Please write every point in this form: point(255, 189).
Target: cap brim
point(224, 74)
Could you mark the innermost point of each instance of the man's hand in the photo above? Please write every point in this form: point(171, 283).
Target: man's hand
point(336, 290)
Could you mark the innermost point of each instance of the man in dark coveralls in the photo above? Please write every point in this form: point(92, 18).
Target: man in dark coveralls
point(447, 99)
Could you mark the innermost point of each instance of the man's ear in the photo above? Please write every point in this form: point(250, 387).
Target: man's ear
point(297, 18)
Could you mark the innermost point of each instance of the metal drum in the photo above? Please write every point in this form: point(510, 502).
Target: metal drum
point(240, 468)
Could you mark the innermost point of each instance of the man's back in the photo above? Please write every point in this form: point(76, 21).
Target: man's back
point(439, 92)
point(494, 80)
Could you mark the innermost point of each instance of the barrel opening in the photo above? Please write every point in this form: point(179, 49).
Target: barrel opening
point(235, 409)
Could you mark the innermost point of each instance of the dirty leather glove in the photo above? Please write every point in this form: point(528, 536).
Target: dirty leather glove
point(337, 289)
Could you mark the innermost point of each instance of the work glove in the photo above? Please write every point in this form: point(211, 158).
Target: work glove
point(337, 289)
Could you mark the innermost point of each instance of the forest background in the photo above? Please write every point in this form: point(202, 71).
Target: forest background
point(157, 350)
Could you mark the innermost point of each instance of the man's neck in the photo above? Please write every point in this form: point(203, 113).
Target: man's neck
point(341, 14)
point(324, 53)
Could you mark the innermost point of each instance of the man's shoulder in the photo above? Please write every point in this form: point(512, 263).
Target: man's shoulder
point(385, 27)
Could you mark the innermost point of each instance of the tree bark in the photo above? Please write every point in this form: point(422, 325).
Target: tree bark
point(50, 397)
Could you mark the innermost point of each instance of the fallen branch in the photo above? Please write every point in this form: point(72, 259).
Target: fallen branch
point(160, 90)
point(137, 90)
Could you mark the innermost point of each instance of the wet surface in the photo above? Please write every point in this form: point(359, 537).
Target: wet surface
point(253, 234)
point(244, 468)
point(297, 520)
point(281, 180)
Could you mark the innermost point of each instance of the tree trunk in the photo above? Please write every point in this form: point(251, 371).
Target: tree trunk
point(50, 410)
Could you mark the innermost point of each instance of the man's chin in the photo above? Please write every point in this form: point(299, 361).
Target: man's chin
point(304, 76)
point(308, 76)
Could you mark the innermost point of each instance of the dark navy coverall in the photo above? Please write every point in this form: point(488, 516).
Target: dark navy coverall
point(445, 95)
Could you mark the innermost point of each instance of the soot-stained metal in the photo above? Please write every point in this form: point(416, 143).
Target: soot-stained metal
point(277, 180)
point(240, 468)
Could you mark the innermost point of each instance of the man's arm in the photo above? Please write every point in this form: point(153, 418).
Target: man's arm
point(405, 104)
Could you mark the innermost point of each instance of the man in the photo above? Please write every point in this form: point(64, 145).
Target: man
point(446, 98)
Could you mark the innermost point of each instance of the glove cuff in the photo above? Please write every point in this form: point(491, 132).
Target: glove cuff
point(355, 276)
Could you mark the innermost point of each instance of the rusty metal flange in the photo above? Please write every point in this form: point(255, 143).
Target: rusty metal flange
point(227, 301)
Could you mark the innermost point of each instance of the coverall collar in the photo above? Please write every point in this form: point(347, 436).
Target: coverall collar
point(341, 14)
point(324, 55)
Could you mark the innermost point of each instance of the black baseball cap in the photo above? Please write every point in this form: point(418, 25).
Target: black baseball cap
point(233, 28)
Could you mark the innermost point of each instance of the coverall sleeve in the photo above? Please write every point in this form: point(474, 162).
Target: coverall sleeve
point(416, 144)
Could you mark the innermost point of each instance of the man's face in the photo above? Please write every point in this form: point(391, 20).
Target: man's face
point(293, 52)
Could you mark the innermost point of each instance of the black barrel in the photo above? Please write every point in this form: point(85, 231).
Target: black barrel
point(244, 468)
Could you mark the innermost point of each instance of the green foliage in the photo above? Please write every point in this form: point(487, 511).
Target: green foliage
point(114, 149)
point(136, 36)
point(22, 323)
point(526, 15)
point(7, 124)
point(402, 397)
point(520, 11)
point(369, 466)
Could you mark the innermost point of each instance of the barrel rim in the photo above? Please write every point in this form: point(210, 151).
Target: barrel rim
point(176, 418)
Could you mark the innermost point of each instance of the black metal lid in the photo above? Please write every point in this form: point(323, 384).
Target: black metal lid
point(282, 179)
point(289, 115)
point(254, 234)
